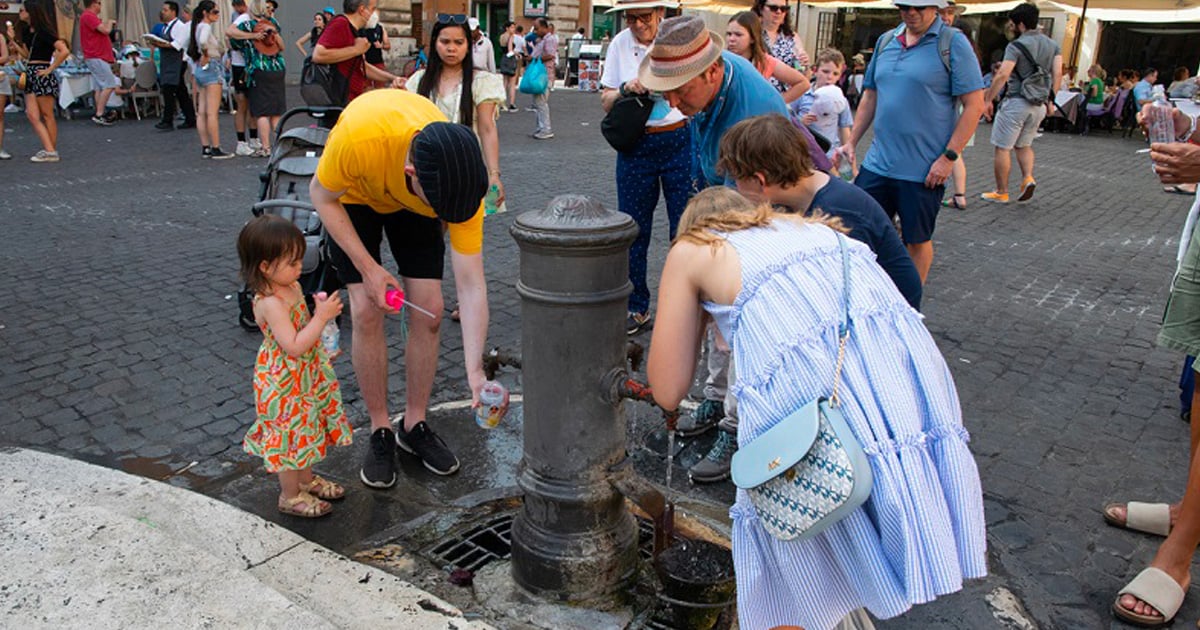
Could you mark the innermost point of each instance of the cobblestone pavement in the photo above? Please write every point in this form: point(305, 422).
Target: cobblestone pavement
point(119, 345)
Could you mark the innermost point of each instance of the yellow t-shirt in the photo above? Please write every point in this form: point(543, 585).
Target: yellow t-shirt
point(365, 157)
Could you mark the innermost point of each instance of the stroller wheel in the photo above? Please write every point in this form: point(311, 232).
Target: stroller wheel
point(248, 324)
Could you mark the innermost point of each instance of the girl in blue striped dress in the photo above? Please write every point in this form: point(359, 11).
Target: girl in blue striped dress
point(773, 285)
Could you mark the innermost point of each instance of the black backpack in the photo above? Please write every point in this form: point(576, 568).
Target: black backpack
point(321, 85)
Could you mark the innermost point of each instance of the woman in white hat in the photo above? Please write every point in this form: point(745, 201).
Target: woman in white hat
point(662, 157)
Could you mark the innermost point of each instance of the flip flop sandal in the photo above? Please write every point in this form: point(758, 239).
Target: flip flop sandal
point(1156, 588)
point(1149, 518)
point(324, 489)
point(313, 507)
point(953, 202)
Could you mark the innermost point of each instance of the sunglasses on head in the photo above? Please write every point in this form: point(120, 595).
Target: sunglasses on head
point(777, 8)
point(452, 18)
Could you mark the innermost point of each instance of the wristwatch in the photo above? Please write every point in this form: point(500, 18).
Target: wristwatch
point(950, 154)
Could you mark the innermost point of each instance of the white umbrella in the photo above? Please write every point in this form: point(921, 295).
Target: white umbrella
point(131, 19)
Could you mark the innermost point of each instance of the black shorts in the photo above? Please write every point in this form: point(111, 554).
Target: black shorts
point(416, 243)
point(239, 79)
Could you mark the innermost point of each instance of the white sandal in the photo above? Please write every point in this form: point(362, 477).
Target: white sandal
point(1149, 518)
point(1156, 588)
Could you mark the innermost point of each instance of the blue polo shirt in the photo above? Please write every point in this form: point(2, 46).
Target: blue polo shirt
point(1143, 91)
point(744, 94)
point(916, 100)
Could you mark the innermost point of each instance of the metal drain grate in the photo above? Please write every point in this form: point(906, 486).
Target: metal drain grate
point(474, 548)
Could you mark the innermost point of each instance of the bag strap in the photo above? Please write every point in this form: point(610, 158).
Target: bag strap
point(844, 325)
point(1029, 57)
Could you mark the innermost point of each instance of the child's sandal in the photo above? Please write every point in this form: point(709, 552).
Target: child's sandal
point(324, 489)
point(312, 506)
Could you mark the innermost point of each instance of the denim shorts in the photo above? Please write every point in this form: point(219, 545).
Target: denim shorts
point(207, 75)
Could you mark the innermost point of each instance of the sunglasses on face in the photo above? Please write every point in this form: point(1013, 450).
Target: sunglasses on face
point(636, 18)
point(904, 8)
point(776, 8)
point(452, 18)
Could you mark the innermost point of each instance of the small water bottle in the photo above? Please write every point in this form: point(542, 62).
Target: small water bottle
point(490, 200)
point(845, 170)
point(1161, 117)
point(493, 405)
point(330, 336)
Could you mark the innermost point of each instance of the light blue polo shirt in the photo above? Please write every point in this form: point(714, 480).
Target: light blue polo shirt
point(916, 102)
point(744, 94)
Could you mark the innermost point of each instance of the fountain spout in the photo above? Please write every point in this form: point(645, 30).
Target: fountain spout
point(649, 499)
point(621, 386)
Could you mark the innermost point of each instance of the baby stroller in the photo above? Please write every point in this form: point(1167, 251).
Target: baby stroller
point(284, 192)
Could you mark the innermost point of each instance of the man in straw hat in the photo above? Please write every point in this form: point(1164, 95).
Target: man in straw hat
point(916, 76)
point(394, 166)
point(689, 65)
point(663, 156)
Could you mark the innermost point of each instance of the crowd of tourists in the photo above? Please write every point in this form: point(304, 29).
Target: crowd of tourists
point(786, 271)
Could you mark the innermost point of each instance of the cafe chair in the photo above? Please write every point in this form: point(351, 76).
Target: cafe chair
point(145, 86)
point(1106, 117)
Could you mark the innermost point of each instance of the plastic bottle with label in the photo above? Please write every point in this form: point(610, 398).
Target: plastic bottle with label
point(493, 405)
point(1161, 117)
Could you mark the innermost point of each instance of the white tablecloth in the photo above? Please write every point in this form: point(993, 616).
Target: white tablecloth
point(1188, 106)
point(74, 86)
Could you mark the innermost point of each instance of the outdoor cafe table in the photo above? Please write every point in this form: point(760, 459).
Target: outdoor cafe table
point(1068, 103)
point(1187, 106)
point(75, 84)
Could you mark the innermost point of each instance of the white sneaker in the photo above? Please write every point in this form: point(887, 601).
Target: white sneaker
point(11, 108)
point(45, 156)
point(243, 149)
point(5, 155)
point(255, 144)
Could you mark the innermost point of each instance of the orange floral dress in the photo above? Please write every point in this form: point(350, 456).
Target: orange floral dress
point(298, 402)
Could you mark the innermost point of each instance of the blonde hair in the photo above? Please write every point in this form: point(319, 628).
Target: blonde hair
point(702, 222)
point(713, 201)
point(831, 55)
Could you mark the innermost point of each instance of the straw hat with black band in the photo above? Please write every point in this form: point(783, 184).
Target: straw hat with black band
point(683, 49)
point(643, 4)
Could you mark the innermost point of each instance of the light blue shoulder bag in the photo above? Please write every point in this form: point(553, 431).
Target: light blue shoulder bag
point(808, 471)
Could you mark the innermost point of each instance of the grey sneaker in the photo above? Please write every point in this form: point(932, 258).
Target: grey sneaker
point(635, 322)
point(44, 156)
point(543, 135)
point(715, 465)
point(706, 416)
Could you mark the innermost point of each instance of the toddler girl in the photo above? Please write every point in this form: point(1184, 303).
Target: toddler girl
point(296, 393)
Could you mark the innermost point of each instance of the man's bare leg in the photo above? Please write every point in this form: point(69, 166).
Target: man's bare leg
point(421, 353)
point(368, 354)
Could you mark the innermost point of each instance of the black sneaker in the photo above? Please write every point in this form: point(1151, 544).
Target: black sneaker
point(635, 322)
point(217, 154)
point(704, 418)
point(715, 465)
point(379, 467)
point(164, 126)
point(206, 152)
point(426, 444)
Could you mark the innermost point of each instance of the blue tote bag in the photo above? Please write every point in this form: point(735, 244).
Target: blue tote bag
point(535, 80)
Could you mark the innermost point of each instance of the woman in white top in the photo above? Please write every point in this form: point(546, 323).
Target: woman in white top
point(463, 95)
point(205, 50)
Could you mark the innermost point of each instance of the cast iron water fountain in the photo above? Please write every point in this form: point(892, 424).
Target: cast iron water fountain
point(574, 539)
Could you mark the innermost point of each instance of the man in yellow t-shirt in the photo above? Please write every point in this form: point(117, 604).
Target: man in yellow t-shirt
point(394, 166)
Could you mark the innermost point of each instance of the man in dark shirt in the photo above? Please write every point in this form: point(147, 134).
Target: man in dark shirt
point(767, 157)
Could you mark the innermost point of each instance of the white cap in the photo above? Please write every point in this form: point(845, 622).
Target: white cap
point(941, 4)
point(472, 23)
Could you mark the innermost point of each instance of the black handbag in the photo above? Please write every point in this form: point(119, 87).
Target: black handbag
point(321, 85)
point(625, 123)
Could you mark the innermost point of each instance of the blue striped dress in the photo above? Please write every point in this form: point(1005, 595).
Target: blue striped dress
point(922, 531)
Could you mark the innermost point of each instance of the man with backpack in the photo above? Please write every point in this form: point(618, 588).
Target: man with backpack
point(342, 45)
point(1032, 70)
point(920, 71)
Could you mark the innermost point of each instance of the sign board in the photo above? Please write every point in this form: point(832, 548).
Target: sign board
point(535, 8)
point(589, 75)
